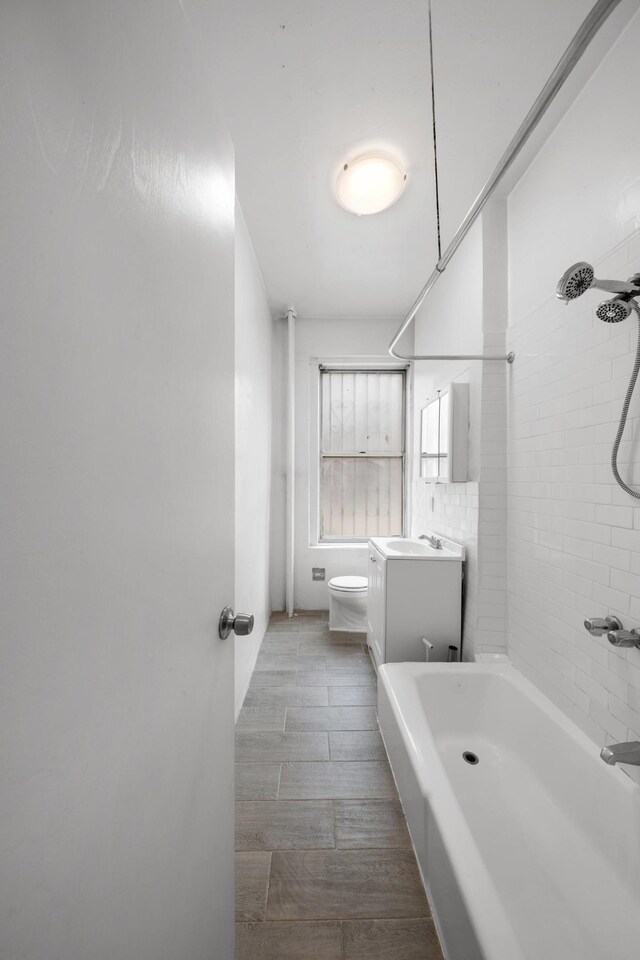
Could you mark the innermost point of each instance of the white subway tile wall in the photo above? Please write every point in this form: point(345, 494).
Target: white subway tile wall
point(452, 510)
point(491, 624)
point(573, 536)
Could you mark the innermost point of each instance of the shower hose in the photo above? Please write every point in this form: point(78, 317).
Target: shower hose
point(625, 411)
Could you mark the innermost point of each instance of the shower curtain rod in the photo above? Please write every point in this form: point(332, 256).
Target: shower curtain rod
point(585, 34)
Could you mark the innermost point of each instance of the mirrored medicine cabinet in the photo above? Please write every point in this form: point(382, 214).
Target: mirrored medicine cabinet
point(444, 436)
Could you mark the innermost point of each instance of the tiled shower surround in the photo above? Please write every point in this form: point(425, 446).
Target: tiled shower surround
point(550, 538)
point(573, 534)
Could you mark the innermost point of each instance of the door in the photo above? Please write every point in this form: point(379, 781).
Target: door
point(116, 540)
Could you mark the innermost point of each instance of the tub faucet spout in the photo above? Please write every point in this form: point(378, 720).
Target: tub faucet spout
point(622, 753)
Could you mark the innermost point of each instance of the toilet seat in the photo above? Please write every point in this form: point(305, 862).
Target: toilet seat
point(348, 584)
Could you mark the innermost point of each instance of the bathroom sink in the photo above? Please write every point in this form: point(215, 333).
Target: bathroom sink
point(409, 548)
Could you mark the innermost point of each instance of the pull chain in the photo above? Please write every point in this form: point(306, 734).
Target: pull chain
point(435, 138)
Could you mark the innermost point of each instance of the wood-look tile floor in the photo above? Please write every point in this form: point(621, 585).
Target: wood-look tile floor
point(324, 865)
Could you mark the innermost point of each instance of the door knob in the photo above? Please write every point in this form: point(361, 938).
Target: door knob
point(241, 624)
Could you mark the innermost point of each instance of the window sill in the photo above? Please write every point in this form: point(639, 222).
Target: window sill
point(355, 545)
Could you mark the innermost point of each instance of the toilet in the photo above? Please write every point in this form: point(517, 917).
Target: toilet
point(348, 604)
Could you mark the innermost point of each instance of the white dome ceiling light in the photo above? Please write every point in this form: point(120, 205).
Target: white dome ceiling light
point(370, 183)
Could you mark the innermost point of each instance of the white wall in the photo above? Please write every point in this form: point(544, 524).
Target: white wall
point(277, 540)
point(314, 338)
point(116, 538)
point(253, 453)
point(574, 536)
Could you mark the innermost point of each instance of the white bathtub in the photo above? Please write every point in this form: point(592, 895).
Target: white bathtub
point(534, 852)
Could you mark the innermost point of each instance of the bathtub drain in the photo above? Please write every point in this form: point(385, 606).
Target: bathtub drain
point(470, 757)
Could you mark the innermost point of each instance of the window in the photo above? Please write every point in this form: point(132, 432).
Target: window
point(361, 453)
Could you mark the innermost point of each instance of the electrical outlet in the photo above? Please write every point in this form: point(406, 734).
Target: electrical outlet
point(317, 573)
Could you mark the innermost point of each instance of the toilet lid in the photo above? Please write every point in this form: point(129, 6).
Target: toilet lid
point(348, 583)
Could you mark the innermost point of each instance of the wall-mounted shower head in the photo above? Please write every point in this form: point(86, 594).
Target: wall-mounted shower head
point(580, 277)
point(613, 311)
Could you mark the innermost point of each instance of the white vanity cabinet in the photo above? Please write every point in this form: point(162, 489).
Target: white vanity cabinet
point(413, 593)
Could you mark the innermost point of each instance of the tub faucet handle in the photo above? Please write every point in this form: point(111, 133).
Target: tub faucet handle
point(624, 638)
point(598, 625)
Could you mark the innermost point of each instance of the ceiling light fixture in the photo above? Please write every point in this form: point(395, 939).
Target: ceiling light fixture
point(370, 183)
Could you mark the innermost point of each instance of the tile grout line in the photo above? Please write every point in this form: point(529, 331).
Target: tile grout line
point(341, 920)
point(368, 798)
point(335, 838)
point(355, 919)
point(266, 897)
point(359, 919)
point(324, 850)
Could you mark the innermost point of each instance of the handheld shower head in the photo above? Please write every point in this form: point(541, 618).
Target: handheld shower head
point(580, 277)
point(575, 281)
point(613, 311)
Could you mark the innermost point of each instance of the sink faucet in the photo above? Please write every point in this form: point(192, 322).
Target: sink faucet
point(622, 753)
point(435, 542)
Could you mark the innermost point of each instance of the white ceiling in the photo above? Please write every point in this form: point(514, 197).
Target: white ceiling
point(311, 84)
